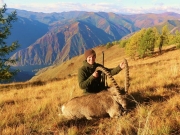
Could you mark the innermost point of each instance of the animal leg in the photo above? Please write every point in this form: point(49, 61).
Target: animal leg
point(115, 114)
point(88, 117)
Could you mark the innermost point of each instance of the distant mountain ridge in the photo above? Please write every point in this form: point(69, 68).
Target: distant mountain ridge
point(56, 37)
point(26, 31)
point(151, 19)
point(66, 40)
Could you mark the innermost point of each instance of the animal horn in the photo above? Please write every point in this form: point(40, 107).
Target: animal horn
point(109, 76)
point(113, 80)
point(126, 76)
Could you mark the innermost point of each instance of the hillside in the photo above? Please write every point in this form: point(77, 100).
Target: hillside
point(26, 32)
point(150, 19)
point(33, 107)
point(68, 38)
point(173, 26)
point(48, 38)
point(112, 58)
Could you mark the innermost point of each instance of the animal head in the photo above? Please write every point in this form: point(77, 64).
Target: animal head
point(121, 99)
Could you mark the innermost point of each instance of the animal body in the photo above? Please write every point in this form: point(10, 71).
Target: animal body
point(110, 102)
point(100, 104)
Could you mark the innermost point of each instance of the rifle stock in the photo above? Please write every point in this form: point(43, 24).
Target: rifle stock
point(103, 75)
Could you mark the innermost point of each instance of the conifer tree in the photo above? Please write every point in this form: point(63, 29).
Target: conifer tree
point(177, 39)
point(163, 37)
point(5, 62)
point(157, 36)
point(123, 43)
point(140, 47)
point(132, 46)
point(147, 43)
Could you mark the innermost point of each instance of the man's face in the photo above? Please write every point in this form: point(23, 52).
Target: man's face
point(91, 59)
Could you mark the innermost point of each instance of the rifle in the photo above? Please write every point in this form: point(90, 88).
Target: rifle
point(104, 77)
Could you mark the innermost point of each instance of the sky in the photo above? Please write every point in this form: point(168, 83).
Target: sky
point(116, 6)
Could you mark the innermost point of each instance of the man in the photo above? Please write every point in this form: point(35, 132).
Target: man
point(89, 79)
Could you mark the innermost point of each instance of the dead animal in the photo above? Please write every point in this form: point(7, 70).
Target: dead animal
point(110, 102)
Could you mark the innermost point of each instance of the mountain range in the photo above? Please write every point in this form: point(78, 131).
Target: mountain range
point(52, 38)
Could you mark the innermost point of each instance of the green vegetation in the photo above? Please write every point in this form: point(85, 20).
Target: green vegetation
point(5, 26)
point(163, 37)
point(143, 42)
point(177, 39)
point(108, 45)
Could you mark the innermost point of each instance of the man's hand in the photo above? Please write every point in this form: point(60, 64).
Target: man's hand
point(122, 65)
point(95, 74)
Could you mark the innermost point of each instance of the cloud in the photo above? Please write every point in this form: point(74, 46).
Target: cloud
point(104, 7)
point(1, 2)
point(64, 6)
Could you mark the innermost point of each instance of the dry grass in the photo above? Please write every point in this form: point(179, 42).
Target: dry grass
point(32, 108)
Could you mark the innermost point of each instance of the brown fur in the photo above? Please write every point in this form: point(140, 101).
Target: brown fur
point(104, 103)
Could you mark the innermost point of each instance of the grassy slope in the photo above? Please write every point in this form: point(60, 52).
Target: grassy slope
point(113, 56)
point(32, 108)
